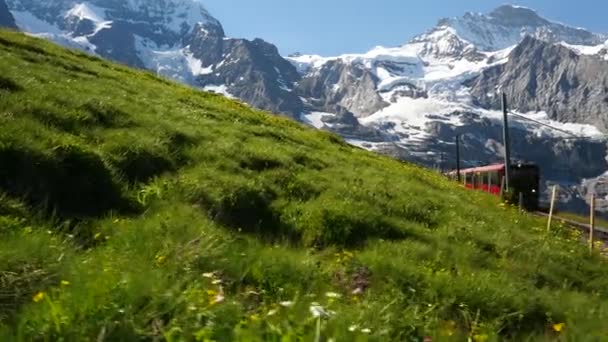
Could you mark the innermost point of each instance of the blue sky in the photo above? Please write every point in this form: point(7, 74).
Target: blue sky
point(331, 27)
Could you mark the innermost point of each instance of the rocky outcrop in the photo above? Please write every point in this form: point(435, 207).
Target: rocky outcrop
point(540, 76)
point(6, 18)
point(253, 71)
point(347, 85)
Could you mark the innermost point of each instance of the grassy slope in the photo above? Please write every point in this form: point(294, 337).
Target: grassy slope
point(120, 193)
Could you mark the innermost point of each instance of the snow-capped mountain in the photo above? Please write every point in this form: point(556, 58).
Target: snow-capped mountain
point(175, 38)
point(417, 97)
point(412, 101)
point(408, 101)
point(437, 63)
point(112, 28)
point(507, 26)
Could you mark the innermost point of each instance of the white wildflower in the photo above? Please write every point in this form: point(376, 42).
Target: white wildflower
point(219, 298)
point(318, 311)
point(366, 331)
point(286, 304)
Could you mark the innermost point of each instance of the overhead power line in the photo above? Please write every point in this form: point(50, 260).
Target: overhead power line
point(548, 126)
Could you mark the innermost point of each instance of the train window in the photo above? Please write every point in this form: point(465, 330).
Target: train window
point(480, 179)
point(494, 178)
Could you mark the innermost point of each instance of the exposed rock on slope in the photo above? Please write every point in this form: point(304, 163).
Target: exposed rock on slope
point(540, 76)
point(337, 84)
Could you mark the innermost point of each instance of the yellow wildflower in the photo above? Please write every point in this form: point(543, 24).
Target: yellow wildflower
point(65, 283)
point(160, 259)
point(39, 297)
point(559, 327)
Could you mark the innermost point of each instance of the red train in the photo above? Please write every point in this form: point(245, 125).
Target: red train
point(524, 178)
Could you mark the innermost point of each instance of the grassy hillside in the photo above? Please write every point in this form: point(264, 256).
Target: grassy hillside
point(133, 208)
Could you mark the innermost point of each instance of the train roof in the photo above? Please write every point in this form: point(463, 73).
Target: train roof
point(487, 168)
point(491, 168)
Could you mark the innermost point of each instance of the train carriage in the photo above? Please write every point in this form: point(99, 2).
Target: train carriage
point(524, 178)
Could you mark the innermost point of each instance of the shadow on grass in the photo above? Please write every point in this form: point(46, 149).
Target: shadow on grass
point(91, 115)
point(139, 165)
point(250, 211)
point(9, 85)
point(69, 183)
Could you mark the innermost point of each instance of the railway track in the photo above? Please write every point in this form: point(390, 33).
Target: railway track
point(601, 233)
point(579, 225)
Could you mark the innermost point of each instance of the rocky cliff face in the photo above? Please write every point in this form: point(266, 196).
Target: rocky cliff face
point(342, 85)
point(6, 18)
point(252, 71)
point(540, 76)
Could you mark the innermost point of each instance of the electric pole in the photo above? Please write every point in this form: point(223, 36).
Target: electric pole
point(458, 156)
point(506, 141)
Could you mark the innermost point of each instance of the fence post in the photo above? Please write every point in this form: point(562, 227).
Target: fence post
point(521, 201)
point(592, 223)
point(551, 208)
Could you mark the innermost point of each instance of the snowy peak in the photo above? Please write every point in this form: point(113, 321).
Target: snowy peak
point(86, 11)
point(517, 16)
point(506, 26)
point(180, 16)
point(175, 16)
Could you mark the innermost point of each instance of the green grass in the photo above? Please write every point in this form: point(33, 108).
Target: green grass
point(134, 208)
